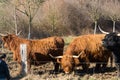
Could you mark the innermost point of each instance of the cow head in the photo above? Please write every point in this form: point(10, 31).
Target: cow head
point(111, 41)
point(7, 39)
point(67, 62)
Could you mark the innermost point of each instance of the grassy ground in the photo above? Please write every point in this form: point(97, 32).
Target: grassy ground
point(43, 72)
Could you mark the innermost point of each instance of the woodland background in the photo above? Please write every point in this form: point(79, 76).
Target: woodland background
point(43, 18)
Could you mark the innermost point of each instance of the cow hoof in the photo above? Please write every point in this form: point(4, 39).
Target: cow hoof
point(97, 70)
point(53, 72)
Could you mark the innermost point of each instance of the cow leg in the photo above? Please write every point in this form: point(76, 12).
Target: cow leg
point(85, 64)
point(56, 69)
point(111, 61)
point(29, 66)
point(97, 67)
point(104, 65)
point(85, 67)
point(118, 69)
point(56, 66)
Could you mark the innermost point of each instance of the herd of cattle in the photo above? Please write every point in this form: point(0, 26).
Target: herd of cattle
point(83, 50)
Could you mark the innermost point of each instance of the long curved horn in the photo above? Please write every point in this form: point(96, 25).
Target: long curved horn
point(55, 57)
point(2, 34)
point(78, 55)
point(103, 31)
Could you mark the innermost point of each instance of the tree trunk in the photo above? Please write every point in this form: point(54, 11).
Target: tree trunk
point(95, 27)
point(16, 30)
point(30, 25)
point(113, 26)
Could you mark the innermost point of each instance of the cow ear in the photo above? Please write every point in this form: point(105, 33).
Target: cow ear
point(59, 60)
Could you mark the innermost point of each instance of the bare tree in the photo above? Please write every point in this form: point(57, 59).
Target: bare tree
point(52, 16)
point(53, 12)
point(15, 20)
point(111, 11)
point(29, 8)
point(93, 8)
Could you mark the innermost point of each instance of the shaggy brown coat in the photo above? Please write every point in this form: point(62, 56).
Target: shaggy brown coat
point(37, 50)
point(93, 51)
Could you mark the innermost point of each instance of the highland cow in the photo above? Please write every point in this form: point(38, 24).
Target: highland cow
point(89, 48)
point(37, 50)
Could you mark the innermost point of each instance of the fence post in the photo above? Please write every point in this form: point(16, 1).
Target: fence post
point(23, 52)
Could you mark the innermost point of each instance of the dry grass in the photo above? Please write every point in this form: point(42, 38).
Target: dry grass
point(43, 72)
